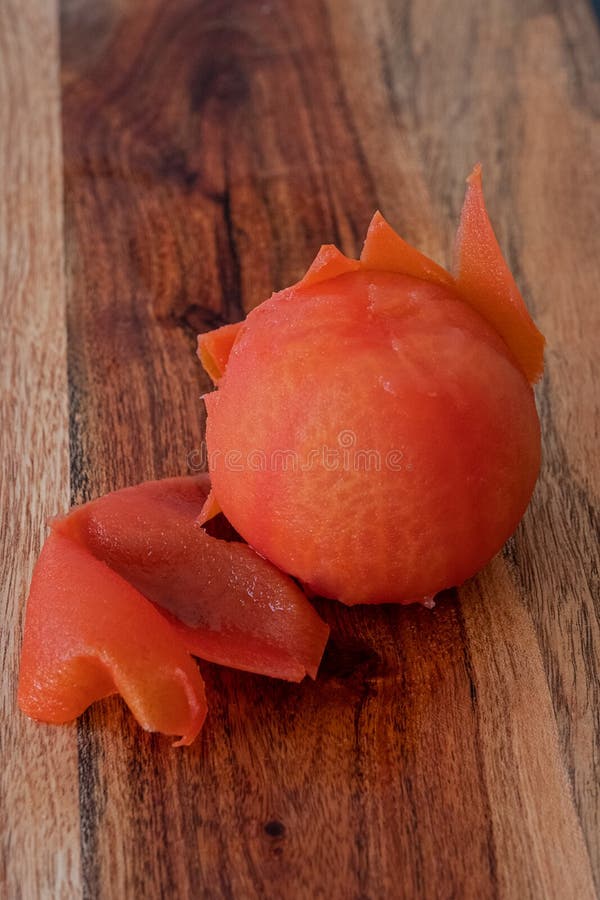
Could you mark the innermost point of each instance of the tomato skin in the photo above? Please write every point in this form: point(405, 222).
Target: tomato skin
point(129, 585)
point(214, 348)
point(485, 282)
point(226, 604)
point(392, 365)
point(90, 634)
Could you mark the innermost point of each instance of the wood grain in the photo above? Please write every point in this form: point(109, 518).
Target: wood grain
point(39, 807)
point(208, 149)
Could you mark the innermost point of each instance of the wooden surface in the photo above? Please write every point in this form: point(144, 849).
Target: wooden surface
point(205, 150)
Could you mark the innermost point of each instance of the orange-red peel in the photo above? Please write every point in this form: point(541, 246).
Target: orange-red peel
point(128, 586)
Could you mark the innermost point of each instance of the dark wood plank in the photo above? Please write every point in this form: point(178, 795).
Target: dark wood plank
point(209, 148)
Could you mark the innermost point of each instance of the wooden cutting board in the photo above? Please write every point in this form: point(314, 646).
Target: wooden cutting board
point(164, 167)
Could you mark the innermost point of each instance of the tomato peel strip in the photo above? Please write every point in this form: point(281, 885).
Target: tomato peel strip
point(485, 282)
point(228, 604)
point(128, 585)
point(90, 634)
point(480, 277)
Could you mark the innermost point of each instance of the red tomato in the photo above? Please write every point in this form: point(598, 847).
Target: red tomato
point(374, 433)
